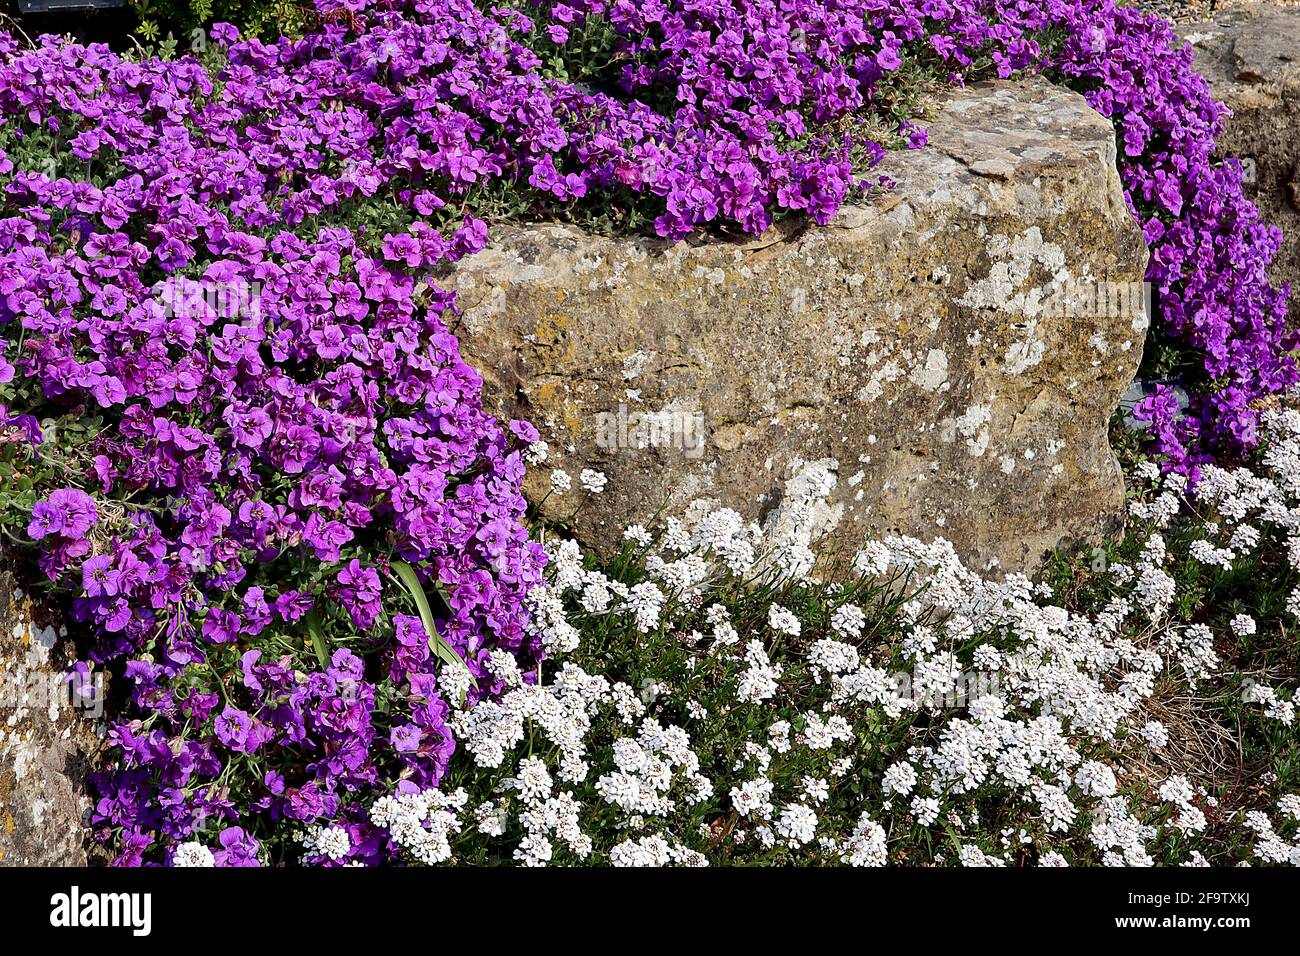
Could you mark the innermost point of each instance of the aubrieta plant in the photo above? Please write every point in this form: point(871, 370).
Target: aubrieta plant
point(241, 439)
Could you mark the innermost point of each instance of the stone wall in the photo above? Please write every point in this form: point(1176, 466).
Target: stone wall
point(955, 346)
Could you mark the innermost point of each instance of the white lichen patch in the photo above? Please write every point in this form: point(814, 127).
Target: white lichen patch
point(1025, 354)
point(971, 420)
point(933, 373)
point(971, 425)
point(635, 364)
point(888, 372)
point(1004, 287)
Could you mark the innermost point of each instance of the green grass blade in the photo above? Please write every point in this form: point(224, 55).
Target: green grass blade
point(317, 639)
point(441, 649)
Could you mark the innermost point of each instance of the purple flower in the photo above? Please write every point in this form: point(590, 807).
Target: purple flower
point(98, 576)
point(237, 848)
point(68, 512)
point(406, 738)
point(238, 730)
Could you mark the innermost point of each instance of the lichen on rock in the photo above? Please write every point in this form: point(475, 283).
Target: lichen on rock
point(50, 736)
point(932, 344)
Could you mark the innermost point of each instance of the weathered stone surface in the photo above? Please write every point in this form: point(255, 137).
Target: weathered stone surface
point(938, 344)
point(1251, 56)
point(47, 745)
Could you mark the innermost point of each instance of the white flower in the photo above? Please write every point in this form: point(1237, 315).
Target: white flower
point(192, 854)
point(758, 682)
point(925, 809)
point(797, 825)
point(753, 798)
point(653, 851)
point(778, 736)
point(1054, 806)
point(821, 734)
point(815, 789)
point(873, 560)
point(832, 657)
point(646, 601)
point(848, 621)
point(866, 846)
point(1096, 779)
point(491, 819)
point(1289, 806)
point(1177, 789)
point(534, 850)
point(899, 779)
point(783, 621)
point(638, 535)
point(560, 481)
point(1155, 734)
point(971, 855)
point(533, 780)
point(1243, 625)
point(592, 480)
point(502, 665)
point(332, 842)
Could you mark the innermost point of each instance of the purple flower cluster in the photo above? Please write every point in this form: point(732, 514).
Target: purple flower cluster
point(226, 534)
point(1209, 247)
point(259, 466)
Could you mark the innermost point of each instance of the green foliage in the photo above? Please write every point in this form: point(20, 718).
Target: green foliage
point(406, 575)
point(186, 21)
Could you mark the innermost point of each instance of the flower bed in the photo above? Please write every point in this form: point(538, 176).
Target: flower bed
point(706, 702)
point(281, 509)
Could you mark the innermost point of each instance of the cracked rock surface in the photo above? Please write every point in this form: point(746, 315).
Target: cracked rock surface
point(1251, 56)
point(952, 348)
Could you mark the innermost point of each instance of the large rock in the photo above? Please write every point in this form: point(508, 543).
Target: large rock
point(49, 740)
point(1251, 56)
point(955, 346)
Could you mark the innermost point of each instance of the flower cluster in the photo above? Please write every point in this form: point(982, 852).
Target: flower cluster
point(224, 355)
point(263, 457)
point(979, 724)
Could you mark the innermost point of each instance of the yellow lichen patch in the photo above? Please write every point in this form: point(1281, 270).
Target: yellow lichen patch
point(547, 392)
point(571, 420)
point(552, 326)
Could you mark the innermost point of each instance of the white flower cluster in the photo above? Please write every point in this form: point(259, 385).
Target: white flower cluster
point(331, 842)
point(545, 815)
point(1269, 846)
point(759, 681)
point(560, 711)
point(421, 823)
point(654, 851)
point(192, 854)
point(646, 769)
point(1048, 709)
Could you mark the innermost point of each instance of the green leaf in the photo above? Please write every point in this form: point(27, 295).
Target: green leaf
point(441, 649)
point(317, 638)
